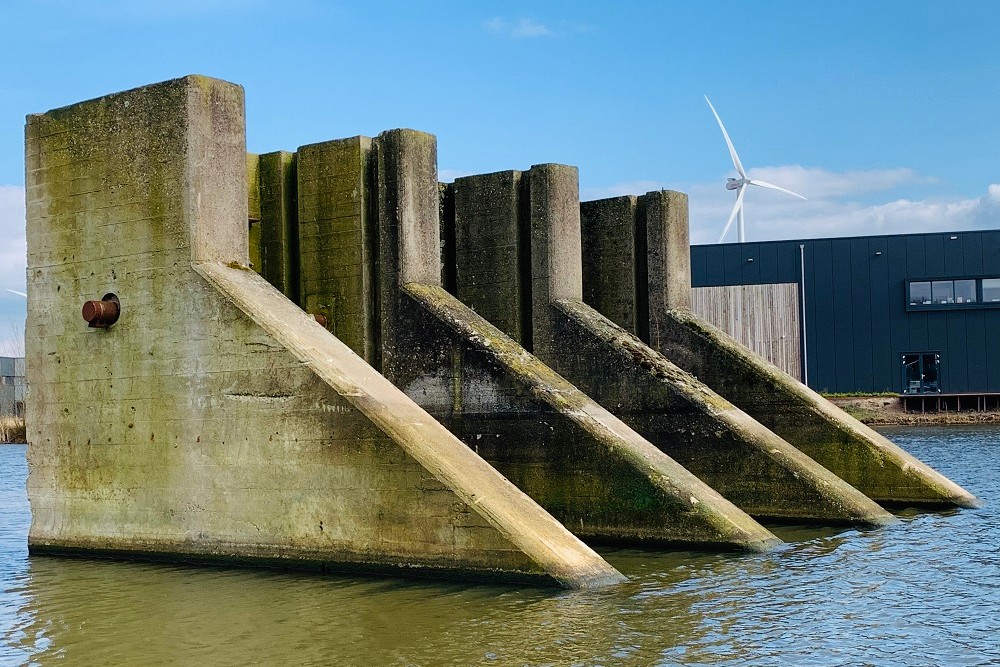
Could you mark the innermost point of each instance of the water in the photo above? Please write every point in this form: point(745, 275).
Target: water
point(923, 592)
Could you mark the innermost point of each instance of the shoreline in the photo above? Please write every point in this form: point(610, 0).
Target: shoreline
point(886, 411)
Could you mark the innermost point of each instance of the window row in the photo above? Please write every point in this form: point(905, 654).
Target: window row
point(953, 293)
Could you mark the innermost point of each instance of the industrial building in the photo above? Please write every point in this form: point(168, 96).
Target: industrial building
point(12, 386)
point(917, 314)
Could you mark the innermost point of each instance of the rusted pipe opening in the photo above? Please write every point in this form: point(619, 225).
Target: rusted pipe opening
point(102, 314)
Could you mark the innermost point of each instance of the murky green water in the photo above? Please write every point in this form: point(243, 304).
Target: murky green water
point(923, 592)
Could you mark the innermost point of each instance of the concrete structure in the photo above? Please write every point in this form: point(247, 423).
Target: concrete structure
point(385, 425)
point(376, 278)
point(215, 419)
point(12, 386)
point(781, 404)
point(521, 232)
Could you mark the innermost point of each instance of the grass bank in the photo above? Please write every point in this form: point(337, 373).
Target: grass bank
point(885, 410)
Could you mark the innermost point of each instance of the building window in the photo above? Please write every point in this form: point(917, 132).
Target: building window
point(953, 294)
point(943, 291)
point(920, 293)
point(921, 373)
point(991, 290)
point(965, 291)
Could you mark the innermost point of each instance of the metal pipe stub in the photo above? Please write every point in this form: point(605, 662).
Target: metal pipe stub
point(102, 314)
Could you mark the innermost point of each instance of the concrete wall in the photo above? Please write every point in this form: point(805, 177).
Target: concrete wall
point(215, 419)
point(778, 402)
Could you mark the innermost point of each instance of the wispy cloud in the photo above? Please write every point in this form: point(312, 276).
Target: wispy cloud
point(838, 205)
point(529, 28)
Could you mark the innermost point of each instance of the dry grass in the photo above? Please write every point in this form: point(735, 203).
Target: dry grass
point(12, 429)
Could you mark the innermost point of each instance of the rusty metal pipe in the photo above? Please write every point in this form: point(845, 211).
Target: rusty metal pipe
point(102, 314)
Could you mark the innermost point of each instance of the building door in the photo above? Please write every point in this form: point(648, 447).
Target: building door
point(921, 372)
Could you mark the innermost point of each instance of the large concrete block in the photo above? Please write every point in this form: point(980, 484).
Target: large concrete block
point(279, 227)
point(215, 420)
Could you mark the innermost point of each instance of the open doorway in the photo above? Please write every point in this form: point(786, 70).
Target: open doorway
point(921, 373)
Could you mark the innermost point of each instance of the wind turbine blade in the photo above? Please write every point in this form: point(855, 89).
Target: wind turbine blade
point(772, 186)
point(18, 293)
point(729, 142)
point(732, 216)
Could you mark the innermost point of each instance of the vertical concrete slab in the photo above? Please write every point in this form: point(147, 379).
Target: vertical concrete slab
point(336, 269)
point(609, 248)
point(215, 420)
point(488, 264)
point(279, 222)
point(253, 212)
point(668, 251)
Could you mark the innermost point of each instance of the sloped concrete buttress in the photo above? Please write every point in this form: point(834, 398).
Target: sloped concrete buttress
point(797, 414)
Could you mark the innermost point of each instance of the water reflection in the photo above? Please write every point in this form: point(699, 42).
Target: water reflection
point(923, 591)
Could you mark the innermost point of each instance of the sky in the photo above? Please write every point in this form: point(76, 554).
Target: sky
point(885, 115)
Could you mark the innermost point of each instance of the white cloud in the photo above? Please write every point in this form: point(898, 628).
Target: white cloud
point(528, 28)
point(836, 205)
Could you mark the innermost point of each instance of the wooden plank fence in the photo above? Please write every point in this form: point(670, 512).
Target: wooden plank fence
point(764, 318)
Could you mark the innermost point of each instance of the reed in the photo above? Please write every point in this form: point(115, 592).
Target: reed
point(12, 429)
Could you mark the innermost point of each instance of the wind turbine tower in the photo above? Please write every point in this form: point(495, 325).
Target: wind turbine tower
point(739, 184)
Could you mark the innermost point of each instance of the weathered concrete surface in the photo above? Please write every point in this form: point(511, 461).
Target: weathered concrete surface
point(253, 212)
point(856, 453)
point(747, 464)
point(581, 463)
point(781, 404)
point(279, 226)
point(336, 267)
point(215, 420)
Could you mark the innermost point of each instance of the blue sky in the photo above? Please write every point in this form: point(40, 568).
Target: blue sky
point(886, 115)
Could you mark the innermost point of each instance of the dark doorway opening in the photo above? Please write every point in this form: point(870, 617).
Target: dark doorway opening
point(921, 373)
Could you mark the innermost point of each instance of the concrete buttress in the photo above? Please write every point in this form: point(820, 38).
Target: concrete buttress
point(648, 293)
point(534, 217)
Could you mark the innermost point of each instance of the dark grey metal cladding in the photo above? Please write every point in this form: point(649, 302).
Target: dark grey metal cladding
point(856, 324)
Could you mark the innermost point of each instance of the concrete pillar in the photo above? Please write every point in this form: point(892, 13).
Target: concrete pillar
point(491, 273)
point(336, 275)
point(555, 248)
point(609, 242)
point(668, 252)
point(279, 222)
point(253, 211)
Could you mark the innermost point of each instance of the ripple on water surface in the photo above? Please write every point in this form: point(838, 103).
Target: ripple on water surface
point(923, 591)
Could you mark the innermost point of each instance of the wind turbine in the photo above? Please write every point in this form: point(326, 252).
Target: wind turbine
point(739, 184)
point(14, 291)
